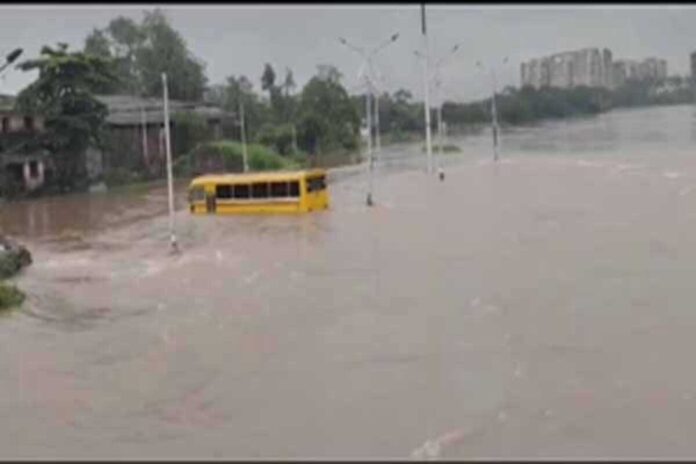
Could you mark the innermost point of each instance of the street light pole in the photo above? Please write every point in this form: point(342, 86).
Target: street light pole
point(438, 96)
point(170, 182)
point(242, 130)
point(494, 114)
point(368, 122)
point(368, 67)
point(426, 99)
point(494, 111)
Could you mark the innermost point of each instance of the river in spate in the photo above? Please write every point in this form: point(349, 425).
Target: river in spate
point(540, 306)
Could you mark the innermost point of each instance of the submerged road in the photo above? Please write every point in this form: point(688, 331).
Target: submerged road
point(540, 307)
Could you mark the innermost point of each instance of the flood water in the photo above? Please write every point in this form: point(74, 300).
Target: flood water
point(542, 306)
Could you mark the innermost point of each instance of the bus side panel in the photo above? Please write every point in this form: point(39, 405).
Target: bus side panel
point(259, 208)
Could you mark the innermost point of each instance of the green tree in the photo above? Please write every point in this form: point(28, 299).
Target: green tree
point(142, 52)
point(268, 80)
point(328, 120)
point(166, 52)
point(240, 90)
point(63, 93)
point(97, 43)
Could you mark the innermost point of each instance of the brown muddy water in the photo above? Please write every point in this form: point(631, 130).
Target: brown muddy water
point(543, 306)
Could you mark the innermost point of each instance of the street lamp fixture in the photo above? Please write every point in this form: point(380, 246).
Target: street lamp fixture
point(369, 81)
point(11, 58)
point(14, 55)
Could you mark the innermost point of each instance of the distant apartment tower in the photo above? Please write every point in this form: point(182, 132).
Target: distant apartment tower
point(587, 67)
point(693, 65)
point(648, 69)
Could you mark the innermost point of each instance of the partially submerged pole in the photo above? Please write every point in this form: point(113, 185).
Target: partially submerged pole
point(368, 116)
point(242, 129)
point(170, 180)
point(426, 99)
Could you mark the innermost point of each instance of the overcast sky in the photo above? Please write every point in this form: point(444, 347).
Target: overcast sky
point(239, 39)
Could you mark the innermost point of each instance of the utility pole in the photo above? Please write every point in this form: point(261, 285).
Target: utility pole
point(426, 99)
point(242, 129)
point(170, 181)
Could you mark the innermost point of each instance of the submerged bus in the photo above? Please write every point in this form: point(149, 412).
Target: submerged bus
point(261, 192)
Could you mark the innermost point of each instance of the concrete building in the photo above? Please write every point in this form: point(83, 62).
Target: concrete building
point(649, 69)
point(693, 65)
point(23, 163)
point(129, 118)
point(593, 68)
point(587, 67)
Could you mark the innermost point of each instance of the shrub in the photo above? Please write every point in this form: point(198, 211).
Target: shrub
point(191, 129)
point(227, 156)
point(12, 260)
point(10, 296)
point(278, 137)
point(446, 148)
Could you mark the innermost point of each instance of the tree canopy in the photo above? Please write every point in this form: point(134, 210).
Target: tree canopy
point(63, 93)
point(142, 52)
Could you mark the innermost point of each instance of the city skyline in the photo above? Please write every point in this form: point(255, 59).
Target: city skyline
point(234, 40)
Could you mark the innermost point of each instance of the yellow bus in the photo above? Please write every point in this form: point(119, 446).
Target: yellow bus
point(261, 192)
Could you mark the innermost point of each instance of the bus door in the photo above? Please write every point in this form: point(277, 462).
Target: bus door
point(210, 202)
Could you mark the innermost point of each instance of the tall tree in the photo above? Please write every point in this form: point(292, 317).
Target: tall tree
point(328, 119)
point(63, 93)
point(268, 80)
point(98, 43)
point(240, 90)
point(166, 51)
point(142, 52)
point(289, 82)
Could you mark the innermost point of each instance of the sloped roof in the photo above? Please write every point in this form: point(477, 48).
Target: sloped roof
point(6, 102)
point(266, 176)
point(126, 110)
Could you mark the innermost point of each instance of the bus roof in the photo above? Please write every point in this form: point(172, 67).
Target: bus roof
point(250, 177)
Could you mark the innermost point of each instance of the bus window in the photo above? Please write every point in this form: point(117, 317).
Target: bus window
point(279, 189)
point(315, 184)
point(259, 190)
point(294, 188)
point(223, 191)
point(241, 191)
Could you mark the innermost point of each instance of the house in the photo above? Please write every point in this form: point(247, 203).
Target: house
point(23, 163)
point(134, 133)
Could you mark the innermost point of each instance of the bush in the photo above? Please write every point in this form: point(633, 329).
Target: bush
point(278, 137)
point(227, 156)
point(12, 260)
point(191, 129)
point(446, 148)
point(10, 296)
point(121, 176)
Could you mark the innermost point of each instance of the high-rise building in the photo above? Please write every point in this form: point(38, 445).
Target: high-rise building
point(693, 65)
point(586, 67)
